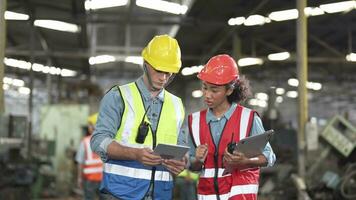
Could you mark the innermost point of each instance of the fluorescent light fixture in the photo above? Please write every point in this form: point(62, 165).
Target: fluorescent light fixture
point(5, 86)
point(314, 85)
point(99, 4)
point(9, 15)
point(261, 96)
point(254, 20)
point(310, 85)
point(191, 70)
point(279, 99)
point(134, 59)
point(279, 56)
point(351, 57)
point(236, 21)
point(293, 82)
point(57, 25)
point(313, 11)
point(68, 73)
point(258, 102)
point(39, 67)
point(253, 102)
point(292, 94)
point(197, 93)
point(18, 82)
point(164, 6)
point(249, 61)
point(24, 90)
point(343, 6)
point(284, 15)
point(94, 60)
point(17, 63)
point(280, 91)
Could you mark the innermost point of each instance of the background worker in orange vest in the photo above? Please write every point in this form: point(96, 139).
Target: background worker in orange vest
point(223, 122)
point(90, 166)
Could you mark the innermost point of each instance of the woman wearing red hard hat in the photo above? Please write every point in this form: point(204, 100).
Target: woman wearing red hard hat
point(223, 122)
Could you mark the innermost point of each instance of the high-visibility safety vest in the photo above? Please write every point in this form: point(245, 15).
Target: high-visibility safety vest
point(213, 185)
point(129, 179)
point(93, 166)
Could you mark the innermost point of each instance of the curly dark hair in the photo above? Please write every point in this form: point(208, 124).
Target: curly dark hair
point(241, 90)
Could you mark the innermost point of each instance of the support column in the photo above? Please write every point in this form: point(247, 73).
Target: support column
point(302, 71)
point(2, 52)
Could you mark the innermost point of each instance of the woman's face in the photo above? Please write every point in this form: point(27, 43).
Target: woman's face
point(215, 95)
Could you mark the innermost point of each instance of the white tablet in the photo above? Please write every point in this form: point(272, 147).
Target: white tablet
point(254, 145)
point(168, 151)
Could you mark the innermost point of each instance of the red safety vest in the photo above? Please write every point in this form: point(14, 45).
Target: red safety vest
point(93, 166)
point(212, 184)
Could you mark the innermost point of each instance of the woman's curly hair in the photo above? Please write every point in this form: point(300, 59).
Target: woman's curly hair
point(241, 90)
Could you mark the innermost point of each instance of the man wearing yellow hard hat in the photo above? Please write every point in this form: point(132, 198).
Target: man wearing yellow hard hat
point(133, 119)
point(90, 166)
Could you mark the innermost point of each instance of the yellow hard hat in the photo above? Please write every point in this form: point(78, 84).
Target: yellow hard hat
point(163, 54)
point(92, 118)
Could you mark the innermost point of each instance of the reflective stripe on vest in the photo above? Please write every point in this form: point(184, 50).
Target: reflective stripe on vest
point(93, 166)
point(119, 174)
point(240, 120)
point(137, 173)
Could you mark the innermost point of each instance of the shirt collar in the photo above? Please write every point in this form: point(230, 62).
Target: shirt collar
point(146, 94)
point(211, 117)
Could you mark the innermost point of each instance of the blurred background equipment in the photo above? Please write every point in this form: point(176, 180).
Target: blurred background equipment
point(58, 58)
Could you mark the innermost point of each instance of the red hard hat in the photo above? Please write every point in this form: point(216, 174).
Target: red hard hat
point(219, 70)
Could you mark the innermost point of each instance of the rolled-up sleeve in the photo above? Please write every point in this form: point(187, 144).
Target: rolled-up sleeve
point(257, 128)
point(109, 119)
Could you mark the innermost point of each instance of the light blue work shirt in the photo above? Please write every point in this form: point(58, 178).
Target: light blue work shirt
point(217, 125)
point(110, 116)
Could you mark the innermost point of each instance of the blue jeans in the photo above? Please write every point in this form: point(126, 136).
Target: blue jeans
point(91, 190)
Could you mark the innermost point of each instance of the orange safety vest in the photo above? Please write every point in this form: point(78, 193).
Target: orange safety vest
point(213, 185)
point(93, 166)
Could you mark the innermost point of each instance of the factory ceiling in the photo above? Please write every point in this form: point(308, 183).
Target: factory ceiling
point(202, 32)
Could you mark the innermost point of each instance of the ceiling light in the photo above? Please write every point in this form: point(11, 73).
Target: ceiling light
point(17, 63)
point(261, 96)
point(57, 25)
point(314, 85)
point(279, 56)
point(253, 102)
point(134, 59)
point(164, 6)
point(24, 90)
point(236, 21)
point(249, 61)
point(284, 15)
point(293, 82)
point(279, 99)
point(38, 67)
point(280, 91)
point(15, 16)
point(197, 93)
point(292, 94)
point(5, 86)
point(68, 73)
point(94, 60)
point(191, 70)
point(351, 57)
point(313, 11)
point(99, 4)
point(344, 6)
point(254, 20)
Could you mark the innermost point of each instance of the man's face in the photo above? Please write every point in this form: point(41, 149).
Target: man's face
point(158, 78)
